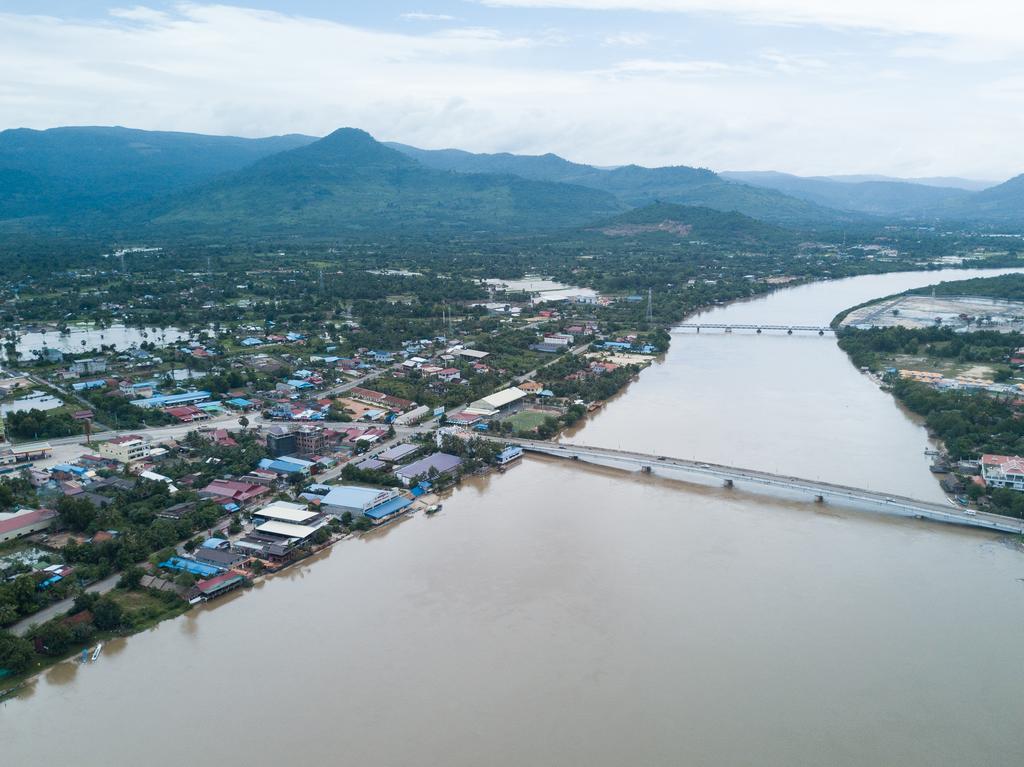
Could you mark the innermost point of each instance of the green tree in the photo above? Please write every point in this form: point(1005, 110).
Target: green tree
point(15, 652)
point(107, 614)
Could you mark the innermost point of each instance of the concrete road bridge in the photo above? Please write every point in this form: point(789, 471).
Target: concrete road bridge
point(728, 327)
point(732, 476)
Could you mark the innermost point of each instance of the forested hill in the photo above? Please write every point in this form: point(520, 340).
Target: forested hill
point(638, 186)
point(666, 222)
point(347, 182)
point(50, 177)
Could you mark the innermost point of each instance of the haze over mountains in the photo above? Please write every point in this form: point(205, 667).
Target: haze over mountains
point(123, 182)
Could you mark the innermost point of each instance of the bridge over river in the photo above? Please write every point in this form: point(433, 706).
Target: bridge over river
point(728, 327)
point(732, 476)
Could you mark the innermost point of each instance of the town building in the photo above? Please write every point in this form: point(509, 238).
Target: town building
point(310, 440)
point(281, 441)
point(226, 491)
point(1003, 471)
point(397, 453)
point(509, 454)
point(214, 587)
point(124, 449)
point(283, 511)
point(25, 522)
point(89, 366)
point(495, 403)
point(370, 502)
point(435, 464)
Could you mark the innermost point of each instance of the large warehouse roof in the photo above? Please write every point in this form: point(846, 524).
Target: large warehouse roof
point(501, 398)
point(286, 512)
point(286, 529)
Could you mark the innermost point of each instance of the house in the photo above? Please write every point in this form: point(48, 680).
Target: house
point(448, 375)
point(435, 464)
point(230, 491)
point(187, 413)
point(125, 449)
point(211, 588)
point(89, 366)
point(1003, 471)
point(25, 522)
point(221, 558)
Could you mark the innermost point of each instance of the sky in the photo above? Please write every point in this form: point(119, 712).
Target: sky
point(900, 87)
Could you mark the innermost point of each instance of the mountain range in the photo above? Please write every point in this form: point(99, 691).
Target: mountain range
point(120, 182)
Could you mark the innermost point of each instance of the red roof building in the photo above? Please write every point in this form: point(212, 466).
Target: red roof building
point(231, 491)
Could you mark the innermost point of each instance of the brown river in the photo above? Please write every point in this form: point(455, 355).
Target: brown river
point(564, 614)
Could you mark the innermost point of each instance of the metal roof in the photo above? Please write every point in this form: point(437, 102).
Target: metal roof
point(501, 398)
point(352, 497)
point(286, 512)
point(442, 462)
point(286, 529)
point(387, 509)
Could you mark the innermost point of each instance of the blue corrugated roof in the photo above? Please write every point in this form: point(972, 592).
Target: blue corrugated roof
point(387, 509)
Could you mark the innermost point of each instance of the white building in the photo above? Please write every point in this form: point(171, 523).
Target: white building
point(130, 447)
point(1005, 471)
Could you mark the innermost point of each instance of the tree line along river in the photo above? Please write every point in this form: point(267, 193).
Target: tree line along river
point(565, 614)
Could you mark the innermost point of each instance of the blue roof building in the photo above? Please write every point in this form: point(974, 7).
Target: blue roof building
point(387, 510)
point(170, 400)
point(191, 566)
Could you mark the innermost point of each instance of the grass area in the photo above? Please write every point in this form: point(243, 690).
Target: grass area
point(526, 420)
point(145, 609)
point(949, 368)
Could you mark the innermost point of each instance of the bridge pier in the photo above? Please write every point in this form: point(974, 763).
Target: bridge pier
point(728, 330)
point(645, 469)
point(759, 331)
point(789, 332)
point(728, 483)
point(819, 498)
point(821, 332)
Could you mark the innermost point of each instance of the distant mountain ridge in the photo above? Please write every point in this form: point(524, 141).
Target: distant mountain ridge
point(61, 173)
point(113, 182)
point(999, 204)
point(347, 182)
point(638, 186)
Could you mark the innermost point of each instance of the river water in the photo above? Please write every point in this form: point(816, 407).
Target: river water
point(561, 614)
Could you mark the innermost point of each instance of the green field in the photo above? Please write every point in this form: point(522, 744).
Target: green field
point(526, 420)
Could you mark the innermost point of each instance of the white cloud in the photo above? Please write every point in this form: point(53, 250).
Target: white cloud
point(990, 20)
point(632, 39)
point(224, 69)
point(420, 16)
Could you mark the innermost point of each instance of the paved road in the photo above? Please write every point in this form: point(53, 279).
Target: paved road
point(58, 608)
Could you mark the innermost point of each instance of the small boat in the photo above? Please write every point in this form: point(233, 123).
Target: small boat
point(434, 509)
point(97, 651)
point(85, 655)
